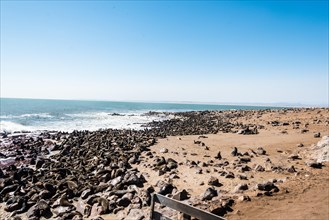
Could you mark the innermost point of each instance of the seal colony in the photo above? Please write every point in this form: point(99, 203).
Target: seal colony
point(111, 174)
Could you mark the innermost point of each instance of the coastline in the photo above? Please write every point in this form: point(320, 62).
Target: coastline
point(114, 171)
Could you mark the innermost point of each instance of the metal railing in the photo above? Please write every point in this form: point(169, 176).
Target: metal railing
point(187, 210)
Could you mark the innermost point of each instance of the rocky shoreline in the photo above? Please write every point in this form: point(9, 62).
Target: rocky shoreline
point(95, 175)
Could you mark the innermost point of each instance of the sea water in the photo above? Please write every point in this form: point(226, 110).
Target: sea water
point(68, 115)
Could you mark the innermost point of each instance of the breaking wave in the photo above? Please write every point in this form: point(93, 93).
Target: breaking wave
point(78, 121)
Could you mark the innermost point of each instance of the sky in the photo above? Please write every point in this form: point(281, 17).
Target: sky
point(196, 51)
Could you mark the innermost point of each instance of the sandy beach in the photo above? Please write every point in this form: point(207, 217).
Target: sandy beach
point(264, 164)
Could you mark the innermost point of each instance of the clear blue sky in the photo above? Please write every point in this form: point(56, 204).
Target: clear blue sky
point(257, 51)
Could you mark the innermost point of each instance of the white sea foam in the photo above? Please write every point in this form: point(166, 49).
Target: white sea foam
point(8, 126)
point(85, 121)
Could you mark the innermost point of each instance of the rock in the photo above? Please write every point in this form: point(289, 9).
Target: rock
point(163, 150)
point(213, 181)
point(317, 135)
point(181, 195)
point(135, 214)
point(209, 194)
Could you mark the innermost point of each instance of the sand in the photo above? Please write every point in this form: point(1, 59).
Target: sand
point(303, 194)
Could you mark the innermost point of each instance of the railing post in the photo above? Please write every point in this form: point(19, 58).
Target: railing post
point(152, 207)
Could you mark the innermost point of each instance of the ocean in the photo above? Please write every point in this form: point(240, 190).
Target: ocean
point(68, 115)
